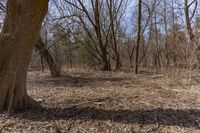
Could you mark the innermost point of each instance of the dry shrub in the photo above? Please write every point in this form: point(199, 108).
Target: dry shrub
point(186, 61)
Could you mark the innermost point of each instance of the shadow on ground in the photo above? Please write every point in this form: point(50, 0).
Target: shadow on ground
point(168, 117)
point(73, 81)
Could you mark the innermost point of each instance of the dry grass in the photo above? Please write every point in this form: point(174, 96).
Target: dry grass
point(111, 102)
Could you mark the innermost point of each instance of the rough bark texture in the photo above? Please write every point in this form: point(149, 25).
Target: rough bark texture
point(19, 34)
point(40, 46)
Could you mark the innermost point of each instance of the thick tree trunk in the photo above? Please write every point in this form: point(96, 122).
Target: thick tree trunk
point(19, 34)
point(105, 66)
point(40, 46)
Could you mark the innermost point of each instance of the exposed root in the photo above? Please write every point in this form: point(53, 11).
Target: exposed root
point(31, 104)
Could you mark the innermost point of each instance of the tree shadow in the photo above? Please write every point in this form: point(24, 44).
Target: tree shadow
point(74, 81)
point(167, 117)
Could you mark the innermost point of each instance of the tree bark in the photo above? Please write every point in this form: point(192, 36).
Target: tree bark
point(187, 19)
point(17, 39)
point(105, 66)
point(138, 36)
point(113, 34)
point(40, 46)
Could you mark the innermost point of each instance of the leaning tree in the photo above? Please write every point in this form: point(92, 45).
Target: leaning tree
point(17, 39)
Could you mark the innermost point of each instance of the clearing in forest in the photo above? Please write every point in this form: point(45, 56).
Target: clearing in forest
point(110, 102)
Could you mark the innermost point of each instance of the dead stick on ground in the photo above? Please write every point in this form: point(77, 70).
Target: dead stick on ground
point(74, 119)
point(83, 110)
point(89, 101)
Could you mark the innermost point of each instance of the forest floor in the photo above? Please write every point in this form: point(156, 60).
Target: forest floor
point(111, 102)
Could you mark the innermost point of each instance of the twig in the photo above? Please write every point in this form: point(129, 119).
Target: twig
point(81, 111)
point(155, 128)
point(86, 102)
point(75, 115)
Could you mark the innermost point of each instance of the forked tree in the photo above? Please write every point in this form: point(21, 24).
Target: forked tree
point(45, 53)
point(188, 17)
point(17, 39)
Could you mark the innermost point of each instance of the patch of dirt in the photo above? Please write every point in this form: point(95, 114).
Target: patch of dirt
point(83, 101)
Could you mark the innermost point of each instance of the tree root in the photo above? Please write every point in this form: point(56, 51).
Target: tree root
point(31, 104)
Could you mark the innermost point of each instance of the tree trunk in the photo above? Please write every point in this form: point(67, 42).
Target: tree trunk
point(17, 40)
point(105, 66)
point(118, 64)
point(42, 63)
point(138, 36)
point(113, 34)
point(187, 19)
point(40, 46)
